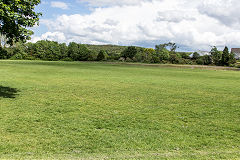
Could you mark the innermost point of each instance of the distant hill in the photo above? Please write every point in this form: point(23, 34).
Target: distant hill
point(107, 48)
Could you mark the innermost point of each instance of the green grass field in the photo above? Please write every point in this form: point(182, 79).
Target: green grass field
point(79, 110)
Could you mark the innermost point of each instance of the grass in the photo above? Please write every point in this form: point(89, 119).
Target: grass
point(79, 110)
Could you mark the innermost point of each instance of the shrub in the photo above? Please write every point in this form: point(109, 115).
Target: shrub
point(17, 56)
point(155, 58)
point(184, 55)
point(129, 59)
point(67, 59)
point(195, 55)
point(129, 52)
point(83, 52)
point(29, 57)
point(175, 59)
point(204, 60)
point(101, 55)
point(135, 59)
point(187, 61)
point(122, 59)
point(92, 56)
point(3, 53)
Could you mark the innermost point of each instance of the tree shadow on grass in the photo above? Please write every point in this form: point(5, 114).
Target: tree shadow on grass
point(7, 92)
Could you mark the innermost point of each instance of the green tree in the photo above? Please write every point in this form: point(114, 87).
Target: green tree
point(3, 53)
point(195, 56)
point(30, 50)
point(78, 52)
point(15, 18)
point(129, 52)
point(175, 58)
point(232, 58)
point(162, 52)
point(19, 51)
point(53, 51)
point(83, 52)
point(164, 55)
point(155, 58)
point(172, 47)
point(204, 60)
point(148, 54)
point(216, 56)
point(40, 49)
point(225, 57)
point(185, 55)
point(63, 50)
point(101, 55)
point(73, 51)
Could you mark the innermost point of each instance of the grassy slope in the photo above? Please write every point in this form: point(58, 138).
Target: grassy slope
point(108, 48)
point(94, 110)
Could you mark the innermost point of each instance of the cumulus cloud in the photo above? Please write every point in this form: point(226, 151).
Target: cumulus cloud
point(52, 36)
point(174, 16)
point(58, 4)
point(226, 11)
point(193, 23)
point(106, 3)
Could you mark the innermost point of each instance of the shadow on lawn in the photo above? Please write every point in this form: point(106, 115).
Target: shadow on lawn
point(7, 92)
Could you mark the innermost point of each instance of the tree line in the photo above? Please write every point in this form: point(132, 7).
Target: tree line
point(16, 16)
point(163, 53)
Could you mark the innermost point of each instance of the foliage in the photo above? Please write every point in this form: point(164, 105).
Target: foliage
point(172, 47)
point(228, 59)
point(216, 56)
point(73, 50)
point(110, 49)
point(175, 58)
point(225, 57)
point(54, 51)
point(163, 54)
point(185, 55)
point(101, 55)
point(129, 52)
point(155, 58)
point(232, 60)
point(63, 50)
point(83, 52)
point(15, 17)
point(3, 53)
point(195, 56)
point(148, 54)
point(204, 60)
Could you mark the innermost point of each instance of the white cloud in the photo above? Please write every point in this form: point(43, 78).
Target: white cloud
point(226, 11)
point(58, 4)
point(105, 3)
point(52, 36)
point(193, 23)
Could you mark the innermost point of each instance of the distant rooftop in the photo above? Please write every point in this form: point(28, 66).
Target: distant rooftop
point(235, 50)
point(202, 53)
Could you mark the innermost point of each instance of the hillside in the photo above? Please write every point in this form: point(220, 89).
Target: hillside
point(108, 48)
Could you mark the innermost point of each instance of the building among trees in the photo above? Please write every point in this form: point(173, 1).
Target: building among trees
point(202, 53)
point(236, 51)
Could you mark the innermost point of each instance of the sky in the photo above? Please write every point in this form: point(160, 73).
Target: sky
point(191, 24)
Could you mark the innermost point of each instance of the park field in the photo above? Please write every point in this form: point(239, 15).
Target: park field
point(84, 110)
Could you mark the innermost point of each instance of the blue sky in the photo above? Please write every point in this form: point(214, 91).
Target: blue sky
point(51, 12)
point(192, 24)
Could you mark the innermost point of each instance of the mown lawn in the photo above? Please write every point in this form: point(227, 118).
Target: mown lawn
point(79, 110)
